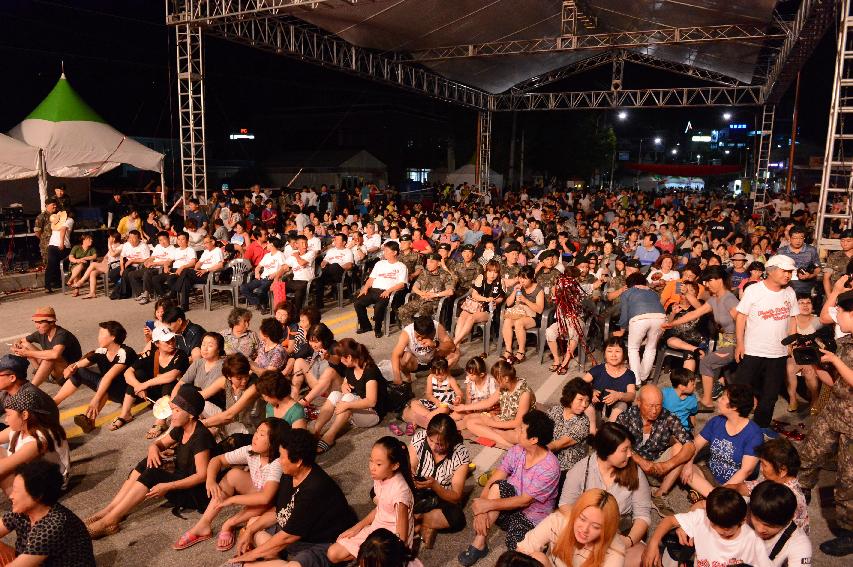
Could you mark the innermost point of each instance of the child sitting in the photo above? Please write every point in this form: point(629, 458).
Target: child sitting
point(680, 400)
point(614, 384)
point(479, 386)
point(441, 391)
point(718, 532)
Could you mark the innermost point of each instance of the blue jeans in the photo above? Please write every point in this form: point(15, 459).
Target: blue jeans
point(256, 292)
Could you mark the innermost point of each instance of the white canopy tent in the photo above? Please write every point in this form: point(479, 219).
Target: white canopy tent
point(17, 159)
point(467, 174)
point(76, 142)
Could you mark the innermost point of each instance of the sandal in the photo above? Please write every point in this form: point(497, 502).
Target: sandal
point(119, 422)
point(410, 429)
point(555, 367)
point(563, 370)
point(323, 447)
point(156, 431)
point(520, 357)
point(395, 429)
point(225, 541)
point(189, 540)
point(83, 422)
point(76, 292)
point(507, 355)
point(103, 531)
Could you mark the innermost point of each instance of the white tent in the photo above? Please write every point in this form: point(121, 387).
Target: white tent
point(466, 173)
point(17, 159)
point(76, 142)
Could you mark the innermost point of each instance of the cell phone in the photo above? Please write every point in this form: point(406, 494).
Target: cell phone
point(150, 324)
point(419, 478)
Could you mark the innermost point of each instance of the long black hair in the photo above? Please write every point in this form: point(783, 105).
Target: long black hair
point(398, 454)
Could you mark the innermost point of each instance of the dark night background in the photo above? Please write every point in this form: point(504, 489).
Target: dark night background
point(119, 56)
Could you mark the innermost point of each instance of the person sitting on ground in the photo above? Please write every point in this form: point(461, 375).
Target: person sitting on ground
point(521, 492)
point(419, 344)
point(323, 371)
point(772, 516)
point(33, 432)
point(515, 399)
point(112, 358)
point(13, 380)
point(733, 440)
point(663, 444)
point(160, 307)
point(80, 257)
point(524, 305)
point(275, 390)
point(441, 392)
point(513, 558)
point(237, 420)
point(609, 467)
point(184, 487)
point(439, 461)
point(204, 371)
point(780, 462)
point(362, 399)
point(271, 355)
point(382, 548)
point(253, 489)
point(680, 399)
point(151, 377)
point(50, 349)
point(584, 535)
point(719, 533)
point(298, 347)
point(613, 383)
point(302, 531)
point(479, 386)
point(188, 334)
point(238, 336)
point(571, 425)
point(47, 532)
point(393, 490)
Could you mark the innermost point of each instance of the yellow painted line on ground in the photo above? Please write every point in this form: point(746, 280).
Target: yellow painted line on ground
point(71, 412)
point(105, 419)
point(349, 315)
point(343, 328)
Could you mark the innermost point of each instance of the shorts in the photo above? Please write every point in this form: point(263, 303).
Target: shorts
point(514, 522)
point(552, 333)
point(359, 417)
point(194, 497)
point(307, 554)
point(712, 363)
point(92, 380)
point(454, 514)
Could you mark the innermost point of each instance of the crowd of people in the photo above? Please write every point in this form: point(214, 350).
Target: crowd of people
point(742, 302)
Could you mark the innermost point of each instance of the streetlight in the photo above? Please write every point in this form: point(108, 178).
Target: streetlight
point(727, 152)
point(658, 141)
point(727, 116)
point(674, 151)
point(622, 115)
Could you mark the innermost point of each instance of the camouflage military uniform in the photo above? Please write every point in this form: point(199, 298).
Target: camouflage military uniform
point(546, 280)
point(837, 262)
point(465, 275)
point(412, 261)
point(43, 230)
point(439, 280)
point(508, 272)
point(832, 433)
point(617, 282)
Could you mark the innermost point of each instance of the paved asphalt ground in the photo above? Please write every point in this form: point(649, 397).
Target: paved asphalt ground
point(102, 460)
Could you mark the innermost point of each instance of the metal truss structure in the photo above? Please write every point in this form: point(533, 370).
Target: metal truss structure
point(190, 55)
point(765, 143)
point(484, 151)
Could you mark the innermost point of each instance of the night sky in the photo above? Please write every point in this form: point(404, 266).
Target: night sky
point(119, 57)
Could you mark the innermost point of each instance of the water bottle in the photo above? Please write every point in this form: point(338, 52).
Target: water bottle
point(492, 306)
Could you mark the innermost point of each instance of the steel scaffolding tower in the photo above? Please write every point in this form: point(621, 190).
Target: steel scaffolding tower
point(765, 143)
point(836, 186)
point(484, 151)
point(190, 55)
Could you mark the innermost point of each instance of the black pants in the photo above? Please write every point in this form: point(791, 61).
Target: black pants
point(153, 281)
point(766, 376)
point(52, 273)
point(183, 286)
point(135, 278)
point(92, 379)
point(379, 306)
point(299, 288)
point(123, 289)
point(332, 274)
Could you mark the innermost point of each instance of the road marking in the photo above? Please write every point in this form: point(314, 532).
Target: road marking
point(71, 412)
point(75, 431)
point(13, 337)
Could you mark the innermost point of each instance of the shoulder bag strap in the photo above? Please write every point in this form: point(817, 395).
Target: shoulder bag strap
point(783, 539)
point(586, 474)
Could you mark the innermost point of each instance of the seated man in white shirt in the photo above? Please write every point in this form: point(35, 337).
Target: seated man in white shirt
point(134, 252)
point(211, 260)
point(299, 263)
point(772, 507)
point(314, 243)
point(388, 275)
point(269, 269)
point(336, 262)
point(159, 259)
point(183, 258)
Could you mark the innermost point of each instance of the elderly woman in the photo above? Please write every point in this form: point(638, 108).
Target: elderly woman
point(524, 306)
point(238, 336)
point(439, 462)
point(610, 467)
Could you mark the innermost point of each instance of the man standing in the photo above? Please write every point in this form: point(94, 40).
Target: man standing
point(836, 262)
point(50, 348)
point(805, 259)
point(388, 275)
point(42, 227)
point(766, 314)
point(58, 248)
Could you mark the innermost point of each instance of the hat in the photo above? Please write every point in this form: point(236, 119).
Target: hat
point(189, 399)
point(162, 334)
point(782, 262)
point(738, 256)
point(633, 263)
point(405, 237)
point(444, 246)
point(848, 233)
point(18, 365)
point(26, 400)
point(44, 314)
point(433, 256)
point(512, 246)
point(469, 247)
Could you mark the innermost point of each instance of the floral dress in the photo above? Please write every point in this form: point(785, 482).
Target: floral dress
point(509, 400)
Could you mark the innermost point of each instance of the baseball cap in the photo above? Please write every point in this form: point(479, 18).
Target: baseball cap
point(405, 237)
point(513, 246)
point(469, 247)
point(444, 246)
point(18, 365)
point(162, 334)
point(782, 262)
point(44, 314)
point(739, 256)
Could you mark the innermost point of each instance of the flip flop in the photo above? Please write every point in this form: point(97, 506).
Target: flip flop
point(189, 540)
point(119, 422)
point(323, 447)
point(395, 429)
point(225, 541)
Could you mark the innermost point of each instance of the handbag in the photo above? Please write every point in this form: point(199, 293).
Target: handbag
point(471, 305)
point(517, 311)
point(279, 292)
point(425, 499)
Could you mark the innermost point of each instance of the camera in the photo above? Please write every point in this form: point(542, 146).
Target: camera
point(807, 347)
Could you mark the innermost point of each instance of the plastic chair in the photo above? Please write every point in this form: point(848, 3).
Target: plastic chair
point(340, 285)
point(205, 291)
point(663, 353)
point(239, 269)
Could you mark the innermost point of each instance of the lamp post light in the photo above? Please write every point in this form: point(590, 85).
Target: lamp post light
point(727, 116)
point(622, 115)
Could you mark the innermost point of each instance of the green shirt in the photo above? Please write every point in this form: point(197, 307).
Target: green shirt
point(78, 252)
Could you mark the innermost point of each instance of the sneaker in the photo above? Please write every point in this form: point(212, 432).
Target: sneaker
point(840, 546)
point(141, 296)
point(717, 390)
point(472, 555)
point(660, 504)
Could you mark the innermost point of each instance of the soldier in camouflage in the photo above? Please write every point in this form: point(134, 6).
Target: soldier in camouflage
point(836, 262)
point(467, 270)
point(433, 284)
point(509, 264)
point(42, 227)
point(832, 430)
point(410, 258)
point(447, 263)
point(547, 274)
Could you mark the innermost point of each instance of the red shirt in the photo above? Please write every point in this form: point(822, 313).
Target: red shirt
point(254, 252)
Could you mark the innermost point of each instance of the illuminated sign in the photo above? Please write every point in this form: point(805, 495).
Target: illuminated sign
point(701, 138)
point(243, 135)
point(737, 126)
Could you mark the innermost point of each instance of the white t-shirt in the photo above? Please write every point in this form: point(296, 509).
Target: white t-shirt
point(315, 244)
point(302, 273)
point(210, 258)
point(162, 253)
point(796, 553)
point(339, 256)
point(138, 252)
point(260, 473)
point(768, 314)
point(271, 263)
point(372, 243)
point(182, 256)
point(386, 275)
point(60, 455)
point(714, 551)
point(54, 235)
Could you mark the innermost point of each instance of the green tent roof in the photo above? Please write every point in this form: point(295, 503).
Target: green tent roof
point(63, 104)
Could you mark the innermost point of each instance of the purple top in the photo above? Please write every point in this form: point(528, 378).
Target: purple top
point(276, 357)
point(541, 481)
